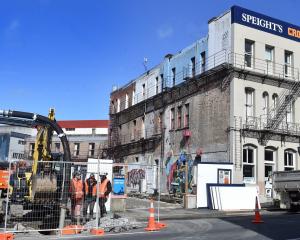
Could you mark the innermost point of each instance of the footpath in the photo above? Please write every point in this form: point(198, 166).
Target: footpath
point(138, 209)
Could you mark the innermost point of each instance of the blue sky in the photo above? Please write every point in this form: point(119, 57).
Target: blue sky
point(68, 54)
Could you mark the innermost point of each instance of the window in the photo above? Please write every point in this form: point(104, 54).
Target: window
point(118, 105)
point(203, 61)
point(290, 112)
point(133, 97)
point(249, 164)
point(174, 76)
point(70, 129)
point(179, 117)
point(265, 108)
point(21, 142)
point(113, 110)
point(289, 162)
point(249, 53)
point(193, 66)
point(76, 149)
point(126, 101)
point(249, 103)
point(133, 134)
point(144, 90)
point(160, 121)
point(156, 85)
point(162, 81)
point(275, 101)
point(269, 56)
point(91, 149)
point(57, 147)
point(288, 63)
point(172, 118)
point(93, 131)
point(31, 149)
point(143, 130)
point(269, 162)
point(187, 115)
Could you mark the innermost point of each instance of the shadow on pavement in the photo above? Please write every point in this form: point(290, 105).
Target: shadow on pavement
point(279, 226)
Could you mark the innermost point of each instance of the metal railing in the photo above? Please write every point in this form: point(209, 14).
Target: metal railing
point(260, 123)
point(135, 135)
point(237, 60)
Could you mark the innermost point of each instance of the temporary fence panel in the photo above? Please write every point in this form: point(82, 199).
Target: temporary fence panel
point(45, 200)
point(105, 168)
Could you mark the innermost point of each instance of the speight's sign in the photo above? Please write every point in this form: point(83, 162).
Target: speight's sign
point(264, 23)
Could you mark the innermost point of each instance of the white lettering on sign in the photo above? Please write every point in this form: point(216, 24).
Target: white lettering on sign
point(262, 22)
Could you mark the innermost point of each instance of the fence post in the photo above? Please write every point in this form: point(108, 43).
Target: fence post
point(159, 189)
point(7, 197)
point(97, 195)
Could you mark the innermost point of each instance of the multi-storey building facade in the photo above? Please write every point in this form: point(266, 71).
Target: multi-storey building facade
point(12, 142)
point(87, 139)
point(233, 93)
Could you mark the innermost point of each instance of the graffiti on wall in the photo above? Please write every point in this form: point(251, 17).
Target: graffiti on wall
point(176, 171)
point(134, 176)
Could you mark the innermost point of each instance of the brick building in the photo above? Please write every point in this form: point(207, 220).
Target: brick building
point(233, 93)
point(87, 139)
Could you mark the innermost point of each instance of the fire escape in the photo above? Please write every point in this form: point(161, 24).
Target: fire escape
point(277, 115)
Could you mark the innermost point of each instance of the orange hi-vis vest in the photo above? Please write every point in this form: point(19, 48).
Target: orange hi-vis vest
point(103, 188)
point(94, 190)
point(77, 188)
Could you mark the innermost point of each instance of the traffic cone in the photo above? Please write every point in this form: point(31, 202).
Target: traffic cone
point(151, 220)
point(257, 217)
point(6, 236)
point(160, 225)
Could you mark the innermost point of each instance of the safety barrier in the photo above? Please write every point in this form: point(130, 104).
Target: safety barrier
point(41, 199)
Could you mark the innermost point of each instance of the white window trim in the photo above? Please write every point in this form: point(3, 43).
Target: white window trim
point(251, 164)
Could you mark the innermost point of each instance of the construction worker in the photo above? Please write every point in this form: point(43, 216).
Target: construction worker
point(104, 191)
point(90, 196)
point(77, 196)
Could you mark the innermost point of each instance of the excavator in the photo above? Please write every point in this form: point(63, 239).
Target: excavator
point(40, 191)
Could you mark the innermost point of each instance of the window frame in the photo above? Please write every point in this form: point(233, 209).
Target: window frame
point(252, 164)
point(286, 163)
point(249, 55)
point(186, 115)
point(179, 117)
point(172, 118)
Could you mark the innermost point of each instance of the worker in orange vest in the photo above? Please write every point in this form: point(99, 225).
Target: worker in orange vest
point(104, 191)
point(77, 196)
point(90, 196)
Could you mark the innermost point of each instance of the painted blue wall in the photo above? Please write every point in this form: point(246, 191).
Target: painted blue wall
point(182, 63)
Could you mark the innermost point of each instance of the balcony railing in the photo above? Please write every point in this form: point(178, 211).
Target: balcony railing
point(237, 60)
point(260, 123)
point(135, 135)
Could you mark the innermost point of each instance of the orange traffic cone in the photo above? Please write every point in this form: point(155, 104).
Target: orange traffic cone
point(160, 225)
point(6, 236)
point(257, 217)
point(151, 221)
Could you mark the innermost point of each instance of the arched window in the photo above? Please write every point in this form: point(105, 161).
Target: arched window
point(249, 104)
point(265, 104)
point(274, 101)
point(290, 112)
point(289, 159)
point(249, 162)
